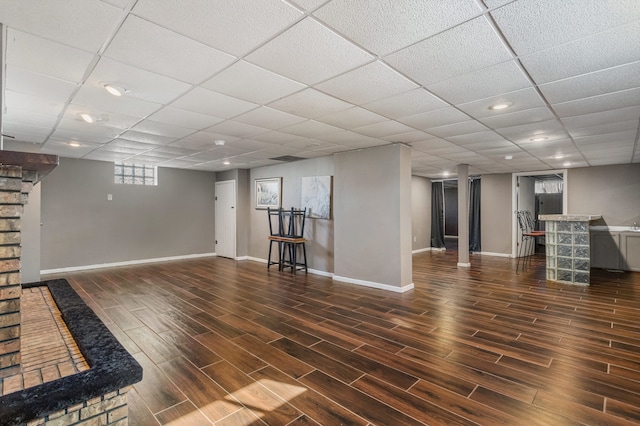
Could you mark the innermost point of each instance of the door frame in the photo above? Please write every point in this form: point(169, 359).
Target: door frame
point(514, 201)
point(235, 214)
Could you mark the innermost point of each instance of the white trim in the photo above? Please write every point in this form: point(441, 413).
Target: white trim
point(422, 250)
point(464, 265)
point(242, 258)
point(311, 271)
point(256, 259)
point(125, 263)
point(488, 253)
point(381, 286)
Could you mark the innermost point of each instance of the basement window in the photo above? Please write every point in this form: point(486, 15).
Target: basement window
point(135, 174)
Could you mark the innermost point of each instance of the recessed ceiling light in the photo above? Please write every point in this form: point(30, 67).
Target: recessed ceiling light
point(501, 105)
point(218, 142)
point(558, 157)
point(566, 163)
point(508, 157)
point(88, 117)
point(539, 139)
point(445, 173)
point(114, 89)
point(226, 163)
point(74, 144)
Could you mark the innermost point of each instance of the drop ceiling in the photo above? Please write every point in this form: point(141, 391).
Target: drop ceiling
point(309, 78)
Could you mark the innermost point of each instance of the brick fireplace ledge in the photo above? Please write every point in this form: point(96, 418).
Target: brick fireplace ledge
point(111, 366)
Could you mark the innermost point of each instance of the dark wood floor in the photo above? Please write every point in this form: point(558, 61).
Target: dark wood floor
point(229, 343)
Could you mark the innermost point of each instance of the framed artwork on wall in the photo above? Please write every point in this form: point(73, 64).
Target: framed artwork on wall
point(268, 192)
point(316, 196)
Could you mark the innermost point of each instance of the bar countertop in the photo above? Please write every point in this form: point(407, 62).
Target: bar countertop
point(569, 217)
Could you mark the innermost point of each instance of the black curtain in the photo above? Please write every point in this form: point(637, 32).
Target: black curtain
point(474, 216)
point(437, 215)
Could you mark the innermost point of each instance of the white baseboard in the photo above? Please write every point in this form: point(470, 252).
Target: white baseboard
point(256, 259)
point(422, 250)
point(381, 286)
point(125, 263)
point(464, 265)
point(488, 253)
point(242, 258)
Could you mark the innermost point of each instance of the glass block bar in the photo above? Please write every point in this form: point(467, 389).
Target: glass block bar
point(567, 248)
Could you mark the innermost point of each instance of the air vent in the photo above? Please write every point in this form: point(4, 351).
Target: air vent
point(287, 158)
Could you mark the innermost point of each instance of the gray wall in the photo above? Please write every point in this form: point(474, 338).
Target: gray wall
point(611, 191)
point(319, 232)
point(80, 227)
point(373, 215)
point(495, 213)
point(420, 212)
point(30, 236)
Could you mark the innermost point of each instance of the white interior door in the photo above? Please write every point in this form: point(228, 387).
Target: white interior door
point(225, 219)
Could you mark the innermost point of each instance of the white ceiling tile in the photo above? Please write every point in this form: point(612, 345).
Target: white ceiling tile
point(212, 103)
point(130, 144)
point(598, 83)
point(600, 51)
point(432, 145)
point(81, 131)
point(269, 118)
point(309, 5)
point(492, 139)
point(366, 84)
point(599, 103)
point(17, 129)
point(436, 118)
point(457, 129)
point(310, 129)
point(406, 104)
point(25, 102)
point(233, 27)
point(310, 103)
point(314, 53)
point(409, 137)
point(62, 147)
point(534, 25)
point(383, 129)
point(181, 163)
point(517, 118)
point(353, 139)
point(520, 99)
point(139, 83)
point(103, 155)
point(605, 117)
point(246, 81)
point(151, 47)
point(183, 118)
point(492, 81)
point(147, 137)
point(624, 126)
point(29, 118)
point(235, 129)
point(475, 44)
point(96, 97)
point(249, 145)
point(35, 54)
point(120, 4)
point(80, 23)
point(276, 137)
point(117, 121)
point(161, 129)
point(172, 151)
point(39, 85)
point(386, 26)
point(605, 140)
point(194, 143)
point(145, 159)
point(529, 131)
point(352, 117)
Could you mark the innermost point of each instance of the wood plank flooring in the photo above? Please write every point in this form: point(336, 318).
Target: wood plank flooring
point(230, 343)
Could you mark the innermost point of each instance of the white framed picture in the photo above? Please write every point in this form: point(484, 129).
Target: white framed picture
point(268, 192)
point(316, 196)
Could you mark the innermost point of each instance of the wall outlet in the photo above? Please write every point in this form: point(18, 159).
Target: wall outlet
point(109, 197)
point(415, 239)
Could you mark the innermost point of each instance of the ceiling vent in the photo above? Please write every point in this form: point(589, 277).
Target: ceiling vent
point(287, 158)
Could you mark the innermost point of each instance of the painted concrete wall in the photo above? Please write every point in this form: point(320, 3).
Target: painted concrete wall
point(495, 213)
point(319, 232)
point(81, 227)
point(373, 216)
point(420, 212)
point(611, 191)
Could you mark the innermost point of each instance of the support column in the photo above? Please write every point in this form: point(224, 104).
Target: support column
point(10, 288)
point(463, 216)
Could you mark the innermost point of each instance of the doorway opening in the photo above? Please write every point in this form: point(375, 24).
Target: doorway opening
point(538, 193)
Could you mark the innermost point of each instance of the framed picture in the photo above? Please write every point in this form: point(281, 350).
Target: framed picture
point(316, 196)
point(268, 192)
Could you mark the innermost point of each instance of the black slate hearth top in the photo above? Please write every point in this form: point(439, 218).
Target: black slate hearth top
point(111, 366)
